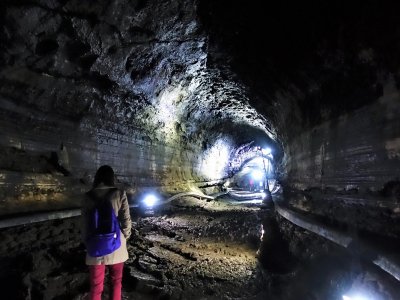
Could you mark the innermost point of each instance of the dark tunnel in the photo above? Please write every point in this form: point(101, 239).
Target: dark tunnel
point(258, 144)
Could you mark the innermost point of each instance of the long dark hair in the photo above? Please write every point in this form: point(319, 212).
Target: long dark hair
point(105, 175)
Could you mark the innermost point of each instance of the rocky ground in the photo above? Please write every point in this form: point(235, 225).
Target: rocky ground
point(199, 252)
point(190, 249)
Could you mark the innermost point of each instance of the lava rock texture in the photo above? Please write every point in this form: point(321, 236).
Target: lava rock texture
point(168, 92)
point(124, 83)
point(162, 90)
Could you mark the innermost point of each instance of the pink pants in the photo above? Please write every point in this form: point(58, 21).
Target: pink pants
point(97, 280)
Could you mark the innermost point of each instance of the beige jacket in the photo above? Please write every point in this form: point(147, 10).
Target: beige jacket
point(120, 204)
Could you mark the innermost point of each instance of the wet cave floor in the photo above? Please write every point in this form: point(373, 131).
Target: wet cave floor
point(192, 249)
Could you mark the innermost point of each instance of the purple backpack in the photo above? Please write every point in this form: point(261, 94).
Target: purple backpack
point(103, 227)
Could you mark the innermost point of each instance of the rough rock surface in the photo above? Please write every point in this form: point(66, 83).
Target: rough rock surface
point(168, 92)
point(326, 75)
point(191, 249)
point(124, 83)
point(162, 90)
point(173, 255)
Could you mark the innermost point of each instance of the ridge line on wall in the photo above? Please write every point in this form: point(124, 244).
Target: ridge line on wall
point(39, 217)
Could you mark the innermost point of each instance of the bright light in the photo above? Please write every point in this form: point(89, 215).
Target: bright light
point(214, 161)
point(355, 297)
point(263, 195)
point(150, 200)
point(266, 151)
point(257, 174)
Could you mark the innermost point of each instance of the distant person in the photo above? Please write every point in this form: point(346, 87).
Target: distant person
point(251, 184)
point(106, 227)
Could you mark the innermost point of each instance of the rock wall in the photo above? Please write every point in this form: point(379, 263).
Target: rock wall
point(51, 161)
point(357, 151)
point(123, 83)
point(347, 171)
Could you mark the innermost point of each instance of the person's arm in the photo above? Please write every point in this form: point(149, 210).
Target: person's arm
point(124, 216)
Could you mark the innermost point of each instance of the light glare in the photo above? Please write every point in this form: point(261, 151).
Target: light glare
point(266, 151)
point(257, 174)
point(215, 160)
point(150, 200)
point(356, 297)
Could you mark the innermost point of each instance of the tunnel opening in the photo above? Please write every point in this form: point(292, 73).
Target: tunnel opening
point(253, 170)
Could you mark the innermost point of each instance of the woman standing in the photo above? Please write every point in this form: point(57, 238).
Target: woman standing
point(104, 190)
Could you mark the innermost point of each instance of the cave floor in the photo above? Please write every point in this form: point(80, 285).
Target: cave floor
point(190, 249)
point(205, 251)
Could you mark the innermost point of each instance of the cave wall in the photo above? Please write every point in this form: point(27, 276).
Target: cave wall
point(166, 91)
point(307, 65)
point(356, 151)
point(47, 161)
point(346, 171)
point(81, 86)
point(124, 83)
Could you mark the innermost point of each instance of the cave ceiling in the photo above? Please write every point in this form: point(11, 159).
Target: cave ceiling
point(122, 65)
point(310, 61)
